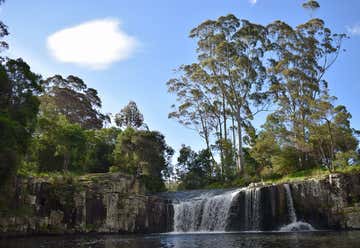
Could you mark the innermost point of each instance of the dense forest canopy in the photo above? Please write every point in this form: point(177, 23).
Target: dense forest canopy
point(56, 125)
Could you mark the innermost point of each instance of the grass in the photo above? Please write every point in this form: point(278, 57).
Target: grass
point(315, 173)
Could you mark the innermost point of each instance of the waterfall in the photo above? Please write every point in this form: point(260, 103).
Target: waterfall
point(205, 212)
point(294, 225)
point(252, 209)
point(247, 209)
point(290, 203)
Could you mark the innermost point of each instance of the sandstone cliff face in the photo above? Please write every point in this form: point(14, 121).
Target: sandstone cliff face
point(101, 203)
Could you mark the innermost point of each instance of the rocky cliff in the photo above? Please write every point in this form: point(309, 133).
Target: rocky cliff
point(332, 202)
point(117, 203)
point(100, 203)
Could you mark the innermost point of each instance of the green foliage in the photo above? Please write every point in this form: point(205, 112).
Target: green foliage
point(346, 159)
point(99, 151)
point(194, 169)
point(113, 169)
point(18, 110)
point(72, 98)
point(228, 163)
point(129, 117)
point(59, 145)
point(145, 154)
point(285, 161)
point(62, 146)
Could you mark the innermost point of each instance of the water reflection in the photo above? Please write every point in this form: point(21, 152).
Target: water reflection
point(239, 240)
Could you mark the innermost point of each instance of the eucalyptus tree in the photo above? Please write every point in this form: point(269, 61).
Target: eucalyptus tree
point(300, 58)
point(196, 108)
point(232, 52)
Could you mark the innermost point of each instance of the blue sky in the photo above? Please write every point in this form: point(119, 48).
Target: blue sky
point(155, 37)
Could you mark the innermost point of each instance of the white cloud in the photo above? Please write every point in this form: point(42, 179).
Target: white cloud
point(354, 30)
point(253, 1)
point(95, 44)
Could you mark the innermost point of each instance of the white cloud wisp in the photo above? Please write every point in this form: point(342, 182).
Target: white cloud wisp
point(354, 30)
point(95, 44)
point(253, 2)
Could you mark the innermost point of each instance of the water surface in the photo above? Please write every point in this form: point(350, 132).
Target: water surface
point(204, 240)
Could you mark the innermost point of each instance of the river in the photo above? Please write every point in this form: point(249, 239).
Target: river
point(203, 240)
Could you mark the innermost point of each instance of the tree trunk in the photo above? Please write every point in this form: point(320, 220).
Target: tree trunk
point(207, 141)
point(233, 132)
point(220, 137)
point(240, 155)
point(224, 116)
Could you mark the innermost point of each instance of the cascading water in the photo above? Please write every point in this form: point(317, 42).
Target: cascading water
point(207, 211)
point(290, 203)
point(295, 225)
point(252, 209)
point(246, 209)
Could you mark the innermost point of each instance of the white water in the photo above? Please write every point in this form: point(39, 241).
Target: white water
point(295, 225)
point(208, 211)
point(252, 209)
point(203, 213)
point(290, 203)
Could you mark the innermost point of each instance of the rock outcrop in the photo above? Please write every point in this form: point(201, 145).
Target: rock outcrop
point(105, 203)
point(332, 202)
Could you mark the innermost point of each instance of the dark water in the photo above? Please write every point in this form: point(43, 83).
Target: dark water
point(239, 240)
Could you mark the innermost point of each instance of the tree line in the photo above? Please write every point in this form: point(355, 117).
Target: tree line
point(244, 69)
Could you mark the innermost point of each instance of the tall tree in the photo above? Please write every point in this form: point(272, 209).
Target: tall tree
point(301, 57)
point(72, 98)
point(230, 53)
point(197, 109)
point(18, 111)
point(129, 117)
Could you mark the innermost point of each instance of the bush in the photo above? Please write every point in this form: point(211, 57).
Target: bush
point(114, 169)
